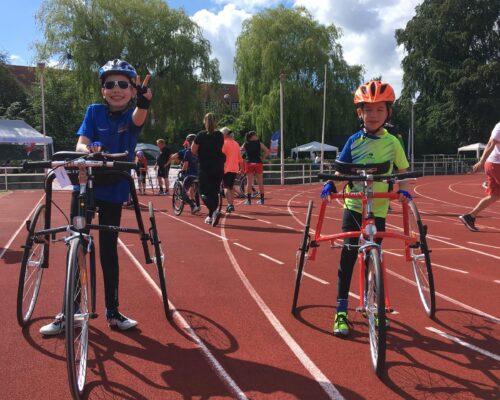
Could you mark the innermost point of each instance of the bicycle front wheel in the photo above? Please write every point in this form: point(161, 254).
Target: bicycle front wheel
point(159, 260)
point(76, 310)
point(31, 273)
point(375, 310)
point(178, 198)
point(301, 257)
point(421, 261)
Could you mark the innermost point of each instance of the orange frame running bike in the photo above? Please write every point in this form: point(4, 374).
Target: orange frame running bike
point(374, 294)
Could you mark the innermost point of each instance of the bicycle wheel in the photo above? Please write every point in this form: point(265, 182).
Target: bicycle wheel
point(77, 314)
point(375, 310)
point(301, 256)
point(421, 261)
point(178, 198)
point(32, 264)
point(158, 259)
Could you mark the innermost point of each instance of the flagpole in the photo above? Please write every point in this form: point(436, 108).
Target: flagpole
point(323, 128)
point(282, 144)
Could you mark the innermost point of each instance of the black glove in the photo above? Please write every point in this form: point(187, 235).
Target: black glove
point(142, 102)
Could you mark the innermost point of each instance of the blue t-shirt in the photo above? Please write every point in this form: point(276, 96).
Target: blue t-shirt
point(192, 161)
point(118, 134)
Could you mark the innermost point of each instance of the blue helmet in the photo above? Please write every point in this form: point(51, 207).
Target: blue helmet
point(117, 66)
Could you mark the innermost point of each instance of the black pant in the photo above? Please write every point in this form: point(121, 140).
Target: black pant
point(210, 187)
point(351, 221)
point(109, 214)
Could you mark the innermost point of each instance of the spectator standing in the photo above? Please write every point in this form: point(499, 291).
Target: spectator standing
point(163, 166)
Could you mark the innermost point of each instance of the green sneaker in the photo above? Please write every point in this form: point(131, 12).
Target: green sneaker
point(341, 325)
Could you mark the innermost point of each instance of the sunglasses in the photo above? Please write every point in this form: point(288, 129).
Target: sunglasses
point(121, 84)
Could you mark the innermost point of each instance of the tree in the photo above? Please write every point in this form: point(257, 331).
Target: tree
point(147, 33)
point(12, 96)
point(287, 41)
point(453, 65)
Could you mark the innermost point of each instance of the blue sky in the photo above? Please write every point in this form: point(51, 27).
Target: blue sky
point(367, 26)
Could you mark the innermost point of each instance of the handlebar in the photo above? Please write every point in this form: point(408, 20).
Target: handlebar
point(377, 178)
point(76, 160)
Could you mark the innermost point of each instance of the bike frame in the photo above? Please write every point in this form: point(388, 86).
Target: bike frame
point(366, 240)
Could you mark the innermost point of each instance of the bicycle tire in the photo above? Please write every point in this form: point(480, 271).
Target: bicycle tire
point(159, 260)
point(421, 261)
point(32, 266)
point(301, 257)
point(374, 302)
point(77, 315)
point(178, 198)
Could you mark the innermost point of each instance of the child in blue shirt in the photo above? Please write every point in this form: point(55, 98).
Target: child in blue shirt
point(113, 126)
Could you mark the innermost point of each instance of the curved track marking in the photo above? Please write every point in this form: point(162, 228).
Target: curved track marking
point(212, 361)
point(330, 390)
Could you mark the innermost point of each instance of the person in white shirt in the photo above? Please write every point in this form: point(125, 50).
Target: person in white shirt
point(490, 162)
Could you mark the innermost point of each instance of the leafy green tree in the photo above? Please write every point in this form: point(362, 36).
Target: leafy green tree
point(453, 67)
point(291, 42)
point(151, 36)
point(12, 94)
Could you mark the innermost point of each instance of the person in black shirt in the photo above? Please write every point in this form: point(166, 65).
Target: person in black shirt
point(163, 165)
point(253, 148)
point(208, 147)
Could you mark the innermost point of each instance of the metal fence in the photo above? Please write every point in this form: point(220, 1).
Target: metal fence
point(12, 178)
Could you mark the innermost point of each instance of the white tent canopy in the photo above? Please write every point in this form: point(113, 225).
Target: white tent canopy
point(313, 147)
point(16, 131)
point(476, 147)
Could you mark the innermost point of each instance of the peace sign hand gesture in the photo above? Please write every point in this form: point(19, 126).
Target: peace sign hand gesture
point(144, 94)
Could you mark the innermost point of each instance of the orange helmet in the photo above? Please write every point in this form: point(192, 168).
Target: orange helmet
point(373, 92)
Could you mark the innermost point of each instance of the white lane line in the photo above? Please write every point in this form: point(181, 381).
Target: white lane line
point(315, 278)
point(496, 281)
point(217, 367)
point(23, 224)
point(439, 237)
point(485, 245)
point(285, 226)
point(460, 271)
point(391, 253)
point(465, 344)
point(271, 259)
point(243, 247)
point(328, 387)
point(263, 220)
point(453, 301)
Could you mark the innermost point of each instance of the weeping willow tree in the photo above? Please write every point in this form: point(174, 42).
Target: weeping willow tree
point(286, 41)
point(147, 33)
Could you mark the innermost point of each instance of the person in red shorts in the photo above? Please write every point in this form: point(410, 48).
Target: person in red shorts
point(490, 162)
point(253, 148)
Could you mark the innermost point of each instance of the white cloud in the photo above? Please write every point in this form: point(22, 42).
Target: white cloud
point(222, 29)
point(16, 60)
point(368, 28)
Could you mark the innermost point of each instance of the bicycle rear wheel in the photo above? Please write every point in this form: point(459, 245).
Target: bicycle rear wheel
point(375, 310)
point(31, 273)
point(77, 314)
point(301, 256)
point(178, 198)
point(421, 261)
point(158, 259)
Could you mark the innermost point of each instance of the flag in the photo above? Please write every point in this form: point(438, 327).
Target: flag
point(275, 141)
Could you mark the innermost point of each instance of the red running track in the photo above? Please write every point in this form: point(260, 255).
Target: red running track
point(233, 335)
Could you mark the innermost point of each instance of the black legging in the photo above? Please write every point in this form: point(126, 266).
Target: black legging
point(351, 221)
point(209, 188)
point(109, 214)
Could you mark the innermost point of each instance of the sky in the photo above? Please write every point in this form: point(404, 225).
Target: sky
point(367, 26)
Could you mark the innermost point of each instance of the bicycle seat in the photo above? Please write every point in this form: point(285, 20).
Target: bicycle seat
point(355, 169)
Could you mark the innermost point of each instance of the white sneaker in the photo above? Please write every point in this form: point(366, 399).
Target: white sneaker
point(57, 326)
point(208, 220)
point(120, 321)
point(215, 218)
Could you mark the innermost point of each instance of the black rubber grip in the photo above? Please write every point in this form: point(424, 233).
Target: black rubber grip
point(124, 165)
point(31, 165)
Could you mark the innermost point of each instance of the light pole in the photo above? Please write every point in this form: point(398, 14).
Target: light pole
point(41, 66)
point(323, 127)
point(282, 147)
point(412, 159)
